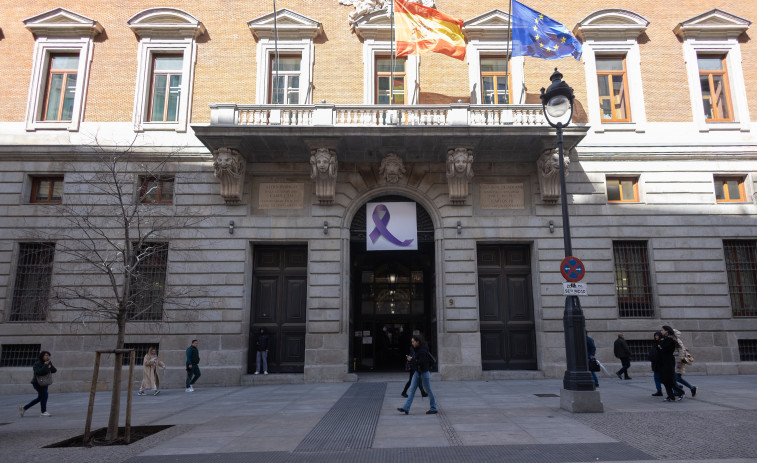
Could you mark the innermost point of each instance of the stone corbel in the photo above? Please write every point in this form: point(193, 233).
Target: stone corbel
point(548, 170)
point(459, 173)
point(230, 168)
point(323, 171)
point(392, 168)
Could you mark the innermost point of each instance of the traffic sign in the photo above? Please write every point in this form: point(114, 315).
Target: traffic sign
point(572, 269)
point(574, 289)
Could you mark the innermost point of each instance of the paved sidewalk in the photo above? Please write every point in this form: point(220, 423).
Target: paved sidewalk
point(481, 421)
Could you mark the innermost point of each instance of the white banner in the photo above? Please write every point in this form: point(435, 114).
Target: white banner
point(574, 289)
point(390, 227)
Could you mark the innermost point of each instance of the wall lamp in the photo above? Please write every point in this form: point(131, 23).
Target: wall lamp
point(459, 227)
point(231, 227)
point(325, 227)
point(551, 226)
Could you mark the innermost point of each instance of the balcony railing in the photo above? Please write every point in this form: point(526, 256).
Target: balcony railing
point(376, 115)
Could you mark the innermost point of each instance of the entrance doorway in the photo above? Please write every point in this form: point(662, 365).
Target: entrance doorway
point(506, 312)
point(279, 295)
point(392, 297)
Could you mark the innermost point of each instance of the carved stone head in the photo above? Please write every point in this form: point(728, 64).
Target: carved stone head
point(392, 168)
point(460, 163)
point(323, 163)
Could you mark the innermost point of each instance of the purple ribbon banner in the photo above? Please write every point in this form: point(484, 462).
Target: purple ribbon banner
point(381, 230)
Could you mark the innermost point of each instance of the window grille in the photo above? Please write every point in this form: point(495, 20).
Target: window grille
point(19, 355)
point(741, 267)
point(748, 350)
point(32, 288)
point(148, 282)
point(632, 279)
point(140, 350)
point(640, 349)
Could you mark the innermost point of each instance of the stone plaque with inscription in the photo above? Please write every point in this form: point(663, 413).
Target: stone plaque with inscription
point(502, 196)
point(281, 196)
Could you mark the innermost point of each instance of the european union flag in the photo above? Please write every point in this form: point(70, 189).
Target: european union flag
point(540, 36)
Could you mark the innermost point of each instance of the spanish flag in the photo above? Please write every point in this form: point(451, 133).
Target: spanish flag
point(420, 29)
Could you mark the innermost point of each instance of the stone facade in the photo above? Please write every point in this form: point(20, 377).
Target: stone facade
point(260, 177)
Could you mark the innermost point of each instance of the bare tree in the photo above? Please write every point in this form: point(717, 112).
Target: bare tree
point(117, 219)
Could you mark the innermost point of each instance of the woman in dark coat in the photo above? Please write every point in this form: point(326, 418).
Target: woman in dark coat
point(667, 362)
point(412, 372)
point(41, 367)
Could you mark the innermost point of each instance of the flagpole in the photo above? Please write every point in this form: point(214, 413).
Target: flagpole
point(276, 50)
point(507, 53)
point(391, 54)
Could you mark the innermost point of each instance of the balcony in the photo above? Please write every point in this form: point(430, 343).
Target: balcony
point(359, 133)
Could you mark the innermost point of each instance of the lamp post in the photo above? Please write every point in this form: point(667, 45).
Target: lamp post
point(557, 103)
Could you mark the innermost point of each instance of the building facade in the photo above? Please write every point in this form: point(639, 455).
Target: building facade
point(298, 178)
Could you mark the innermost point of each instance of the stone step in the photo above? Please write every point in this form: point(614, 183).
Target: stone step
point(271, 379)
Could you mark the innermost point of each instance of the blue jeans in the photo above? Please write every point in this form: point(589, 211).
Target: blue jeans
point(41, 397)
point(679, 379)
point(425, 379)
point(193, 375)
point(262, 355)
point(594, 375)
point(657, 383)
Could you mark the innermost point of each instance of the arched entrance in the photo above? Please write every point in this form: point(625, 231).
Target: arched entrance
point(392, 295)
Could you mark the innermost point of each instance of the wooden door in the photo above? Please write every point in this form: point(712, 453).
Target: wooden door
point(508, 336)
point(279, 295)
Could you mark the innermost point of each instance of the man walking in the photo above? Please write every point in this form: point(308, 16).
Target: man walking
point(193, 371)
point(623, 352)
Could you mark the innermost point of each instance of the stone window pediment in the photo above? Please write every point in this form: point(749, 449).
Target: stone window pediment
point(61, 22)
point(713, 24)
point(375, 25)
point(166, 22)
point(494, 25)
point(611, 24)
point(290, 26)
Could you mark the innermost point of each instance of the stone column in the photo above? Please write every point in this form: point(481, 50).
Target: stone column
point(459, 172)
point(230, 168)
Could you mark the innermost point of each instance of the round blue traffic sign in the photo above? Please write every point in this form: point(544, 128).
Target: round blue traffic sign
point(572, 269)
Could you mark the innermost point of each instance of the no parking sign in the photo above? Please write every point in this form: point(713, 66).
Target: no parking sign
point(572, 269)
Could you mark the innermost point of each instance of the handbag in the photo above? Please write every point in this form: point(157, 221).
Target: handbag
point(687, 358)
point(594, 365)
point(44, 380)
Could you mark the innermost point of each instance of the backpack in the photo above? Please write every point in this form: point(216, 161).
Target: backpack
point(687, 358)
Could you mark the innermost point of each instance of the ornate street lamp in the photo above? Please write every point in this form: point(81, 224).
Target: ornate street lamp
point(557, 103)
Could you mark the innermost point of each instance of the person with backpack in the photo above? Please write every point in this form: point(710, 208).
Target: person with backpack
point(683, 358)
point(421, 363)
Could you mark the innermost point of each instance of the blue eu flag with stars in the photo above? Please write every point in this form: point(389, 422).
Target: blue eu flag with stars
point(540, 36)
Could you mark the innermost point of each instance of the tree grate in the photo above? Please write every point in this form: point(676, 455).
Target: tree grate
point(351, 422)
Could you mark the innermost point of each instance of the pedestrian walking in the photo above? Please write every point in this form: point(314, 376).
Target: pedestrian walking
point(262, 345)
point(421, 362)
point(683, 357)
point(623, 352)
point(150, 377)
point(654, 359)
point(667, 362)
point(591, 350)
point(43, 377)
point(193, 370)
point(409, 367)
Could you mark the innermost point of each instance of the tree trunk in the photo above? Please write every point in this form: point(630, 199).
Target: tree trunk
point(115, 400)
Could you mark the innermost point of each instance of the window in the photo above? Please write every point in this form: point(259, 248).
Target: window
point(716, 98)
point(61, 87)
point(712, 54)
point(495, 80)
point(166, 88)
point(19, 355)
point(47, 190)
point(148, 282)
point(632, 279)
point(622, 190)
point(140, 350)
point(294, 45)
point(748, 350)
point(640, 349)
point(32, 288)
point(613, 69)
point(156, 190)
point(613, 89)
point(60, 69)
point(729, 189)
point(284, 80)
point(741, 267)
point(165, 69)
point(383, 80)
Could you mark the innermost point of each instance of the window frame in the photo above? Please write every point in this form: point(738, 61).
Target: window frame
point(379, 74)
point(59, 32)
point(507, 76)
point(35, 182)
point(135, 312)
point(626, 96)
point(153, 77)
point(726, 84)
point(719, 180)
point(621, 178)
point(734, 268)
point(646, 301)
point(22, 287)
point(287, 74)
point(64, 87)
point(145, 181)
